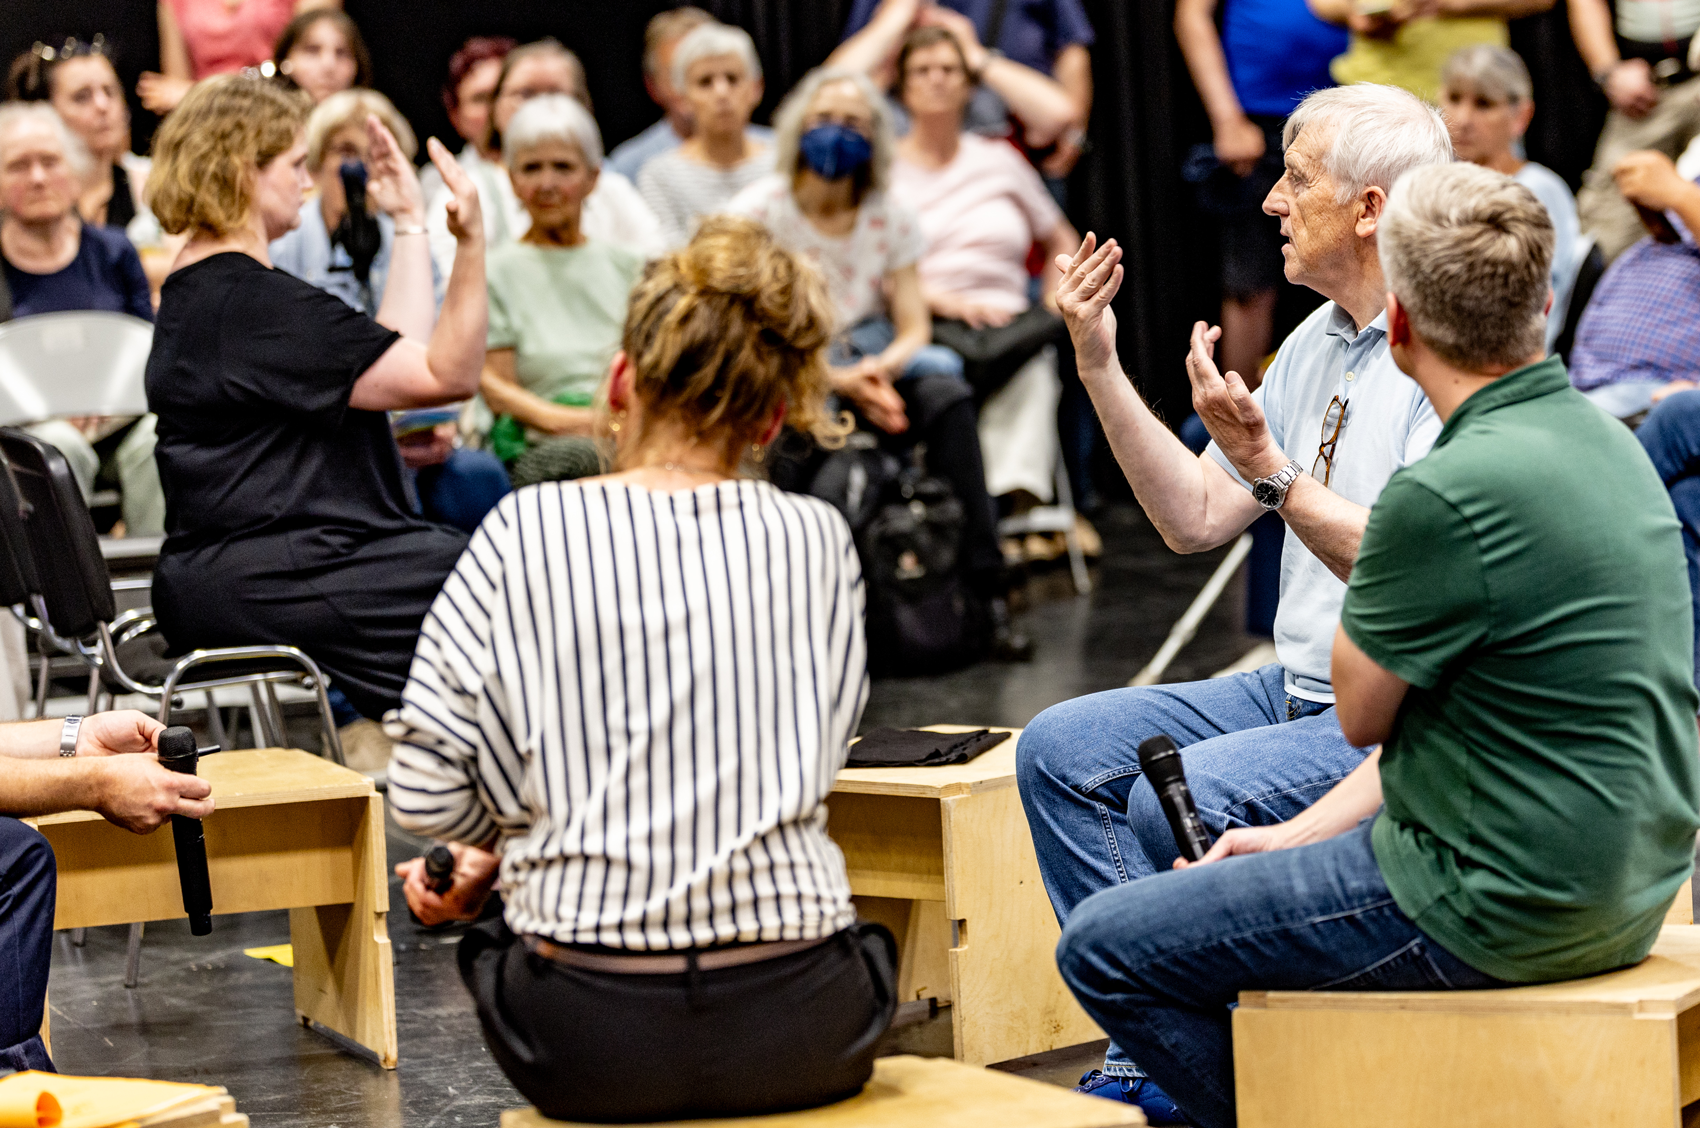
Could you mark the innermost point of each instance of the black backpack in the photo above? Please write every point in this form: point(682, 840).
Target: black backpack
point(908, 528)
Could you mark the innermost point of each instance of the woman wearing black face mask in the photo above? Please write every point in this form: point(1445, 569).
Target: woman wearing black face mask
point(827, 202)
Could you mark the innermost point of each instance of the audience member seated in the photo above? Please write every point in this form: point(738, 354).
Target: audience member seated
point(661, 37)
point(468, 94)
point(1496, 580)
point(614, 213)
point(199, 38)
point(828, 202)
point(716, 71)
point(53, 263)
point(1640, 333)
point(982, 208)
point(104, 763)
point(1489, 98)
point(557, 297)
point(734, 938)
point(1671, 437)
point(287, 517)
point(1638, 53)
point(322, 53)
point(1259, 747)
point(1039, 55)
point(454, 486)
point(1406, 43)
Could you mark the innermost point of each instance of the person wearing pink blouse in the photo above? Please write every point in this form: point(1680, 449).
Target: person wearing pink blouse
point(198, 38)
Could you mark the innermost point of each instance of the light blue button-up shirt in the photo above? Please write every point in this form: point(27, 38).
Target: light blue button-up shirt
point(307, 253)
point(1389, 425)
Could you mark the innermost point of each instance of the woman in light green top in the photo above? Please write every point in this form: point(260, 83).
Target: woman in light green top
point(557, 300)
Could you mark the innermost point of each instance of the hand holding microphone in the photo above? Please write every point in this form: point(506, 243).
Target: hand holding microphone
point(1160, 760)
point(177, 753)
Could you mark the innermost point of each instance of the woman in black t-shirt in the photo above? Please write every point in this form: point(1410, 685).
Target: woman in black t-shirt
point(287, 521)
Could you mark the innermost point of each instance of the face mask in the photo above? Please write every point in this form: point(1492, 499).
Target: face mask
point(834, 150)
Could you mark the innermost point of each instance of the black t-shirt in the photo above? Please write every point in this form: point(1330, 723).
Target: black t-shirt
point(250, 376)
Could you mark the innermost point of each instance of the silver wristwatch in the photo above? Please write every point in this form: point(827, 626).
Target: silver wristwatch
point(1271, 492)
point(68, 736)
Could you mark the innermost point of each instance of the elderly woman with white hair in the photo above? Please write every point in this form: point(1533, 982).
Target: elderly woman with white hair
point(716, 70)
point(557, 296)
point(827, 202)
point(1489, 99)
point(54, 263)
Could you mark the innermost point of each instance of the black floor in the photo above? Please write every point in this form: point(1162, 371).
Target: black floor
point(203, 1011)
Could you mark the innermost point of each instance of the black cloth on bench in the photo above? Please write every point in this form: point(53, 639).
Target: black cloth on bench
point(913, 748)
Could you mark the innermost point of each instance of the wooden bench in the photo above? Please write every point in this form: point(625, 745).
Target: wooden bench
point(912, 1092)
point(291, 831)
point(943, 857)
point(1621, 1049)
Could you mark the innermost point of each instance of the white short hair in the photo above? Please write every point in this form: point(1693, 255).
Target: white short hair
point(1498, 72)
point(552, 117)
point(788, 123)
point(1380, 133)
point(710, 41)
point(13, 114)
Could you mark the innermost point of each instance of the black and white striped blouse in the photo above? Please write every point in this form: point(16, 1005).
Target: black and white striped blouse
point(646, 697)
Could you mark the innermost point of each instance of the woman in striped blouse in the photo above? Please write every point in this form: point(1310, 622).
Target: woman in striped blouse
point(637, 690)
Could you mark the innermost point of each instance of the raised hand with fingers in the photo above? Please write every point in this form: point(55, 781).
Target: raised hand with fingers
point(1090, 281)
point(466, 220)
point(390, 179)
point(1228, 410)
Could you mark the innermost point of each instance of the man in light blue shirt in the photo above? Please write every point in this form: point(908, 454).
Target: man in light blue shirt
point(1330, 424)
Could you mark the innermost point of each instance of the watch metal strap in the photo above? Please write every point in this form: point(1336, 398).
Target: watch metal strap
point(68, 736)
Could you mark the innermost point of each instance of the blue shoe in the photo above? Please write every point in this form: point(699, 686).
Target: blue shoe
point(1141, 1091)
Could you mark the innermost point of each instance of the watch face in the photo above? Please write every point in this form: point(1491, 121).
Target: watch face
point(1266, 494)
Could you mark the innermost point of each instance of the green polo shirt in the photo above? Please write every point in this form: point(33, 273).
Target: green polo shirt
point(1527, 579)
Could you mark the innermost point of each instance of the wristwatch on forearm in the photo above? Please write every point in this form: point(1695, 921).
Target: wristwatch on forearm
point(68, 736)
point(1271, 492)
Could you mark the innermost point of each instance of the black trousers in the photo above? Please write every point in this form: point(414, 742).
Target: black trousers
point(29, 883)
point(787, 1033)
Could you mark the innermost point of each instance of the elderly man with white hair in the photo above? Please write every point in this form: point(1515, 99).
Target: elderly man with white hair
point(1331, 423)
point(1496, 579)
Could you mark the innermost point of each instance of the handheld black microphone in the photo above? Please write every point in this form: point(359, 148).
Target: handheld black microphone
point(1160, 760)
point(439, 869)
point(358, 233)
point(177, 753)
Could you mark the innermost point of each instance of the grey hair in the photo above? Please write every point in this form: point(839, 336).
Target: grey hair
point(1497, 72)
point(77, 154)
point(788, 123)
point(552, 117)
point(710, 41)
point(1380, 132)
point(1467, 252)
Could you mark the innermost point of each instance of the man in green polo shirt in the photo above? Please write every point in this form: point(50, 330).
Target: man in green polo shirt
point(1516, 636)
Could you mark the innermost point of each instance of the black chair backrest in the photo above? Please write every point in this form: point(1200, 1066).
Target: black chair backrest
point(1587, 277)
point(18, 578)
point(75, 584)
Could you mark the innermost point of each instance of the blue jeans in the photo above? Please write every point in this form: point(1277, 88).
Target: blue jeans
point(1671, 434)
point(463, 489)
point(1253, 756)
point(1159, 964)
point(29, 882)
point(874, 335)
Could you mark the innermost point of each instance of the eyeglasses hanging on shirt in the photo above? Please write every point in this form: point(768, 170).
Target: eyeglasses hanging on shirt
point(1332, 421)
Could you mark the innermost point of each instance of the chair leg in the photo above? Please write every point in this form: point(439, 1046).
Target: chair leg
point(280, 731)
point(215, 721)
point(259, 720)
point(43, 682)
point(133, 956)
point(79, 937)
point(94, 689)
point(332, 738)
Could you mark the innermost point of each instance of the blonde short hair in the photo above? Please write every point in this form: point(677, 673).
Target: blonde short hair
point(208, 150)
point(1467, 252)
point(668, 27)
point(13, 114)
point(352, 107)
point(788, 126)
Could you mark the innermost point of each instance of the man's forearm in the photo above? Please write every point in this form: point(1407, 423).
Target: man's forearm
point(1353, 799)
point(1329, 525)
point(1494, 9)
point(45, 787)
point(31, 740)
point(1590, 27)
point(1201, 47)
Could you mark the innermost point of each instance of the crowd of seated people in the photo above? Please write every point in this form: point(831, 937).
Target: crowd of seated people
point(385, 399)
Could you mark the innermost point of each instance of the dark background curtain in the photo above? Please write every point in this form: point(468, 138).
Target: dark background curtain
point(1144, 119)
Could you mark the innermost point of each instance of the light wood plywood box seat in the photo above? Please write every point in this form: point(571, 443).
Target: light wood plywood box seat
point(943, 857)
point(1620, 1050)
point(912, 1092)
point(290, 831)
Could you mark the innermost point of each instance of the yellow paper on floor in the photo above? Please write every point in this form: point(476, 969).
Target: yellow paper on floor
point(53, 1100)
point(277, 953)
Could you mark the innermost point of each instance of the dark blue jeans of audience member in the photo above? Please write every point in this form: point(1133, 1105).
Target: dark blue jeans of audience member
point(1671, 434)
point(1253, 756)
point(874, 335)
point(1160, 963)
point(28, 889)
point(1263, 566)
point(462, 490)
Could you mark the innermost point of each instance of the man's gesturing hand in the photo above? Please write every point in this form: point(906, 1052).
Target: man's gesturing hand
point(1089, 281)
point(1229, 413)
point(138, 795)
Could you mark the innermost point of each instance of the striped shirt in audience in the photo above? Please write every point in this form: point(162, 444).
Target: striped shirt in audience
point(645, 697)
point(681, 191)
